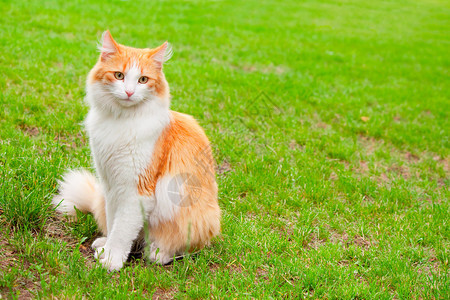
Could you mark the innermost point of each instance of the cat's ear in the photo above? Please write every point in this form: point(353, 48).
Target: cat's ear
point(108, 46)
point(162, 54)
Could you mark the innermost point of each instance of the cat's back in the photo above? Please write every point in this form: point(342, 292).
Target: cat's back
point(185, 142)
point(185, 130)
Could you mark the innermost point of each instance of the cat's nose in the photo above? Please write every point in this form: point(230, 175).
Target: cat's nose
point(129, 93)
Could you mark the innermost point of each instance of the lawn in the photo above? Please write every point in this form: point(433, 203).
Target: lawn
point(329, 122)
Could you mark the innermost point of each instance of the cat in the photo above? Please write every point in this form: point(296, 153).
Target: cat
point(155, 169)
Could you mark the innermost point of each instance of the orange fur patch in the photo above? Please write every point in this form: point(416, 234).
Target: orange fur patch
point(183, 148)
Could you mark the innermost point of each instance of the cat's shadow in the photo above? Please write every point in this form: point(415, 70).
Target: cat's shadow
point(138, 250)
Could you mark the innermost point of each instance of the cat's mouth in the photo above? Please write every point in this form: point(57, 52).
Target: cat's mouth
point(127, 99)
point(127, 102)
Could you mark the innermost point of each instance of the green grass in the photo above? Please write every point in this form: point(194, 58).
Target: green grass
point(329, 121)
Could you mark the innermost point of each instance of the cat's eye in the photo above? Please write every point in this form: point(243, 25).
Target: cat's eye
point(143, 79)
point(119, 75)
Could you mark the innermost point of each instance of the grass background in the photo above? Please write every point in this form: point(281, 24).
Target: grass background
point(329, 121)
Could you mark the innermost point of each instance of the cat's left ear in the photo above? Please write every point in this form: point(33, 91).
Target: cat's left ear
point(109, 45)
point(162, 54)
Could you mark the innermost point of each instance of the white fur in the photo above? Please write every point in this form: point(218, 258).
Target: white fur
point(168, 193)
point(164, 54)
point(100, 242)
point(122, 141)
point(168, 53)
point(77, 189)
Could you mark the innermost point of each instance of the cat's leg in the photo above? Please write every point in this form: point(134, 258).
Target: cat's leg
point(99, 212)
point(127, 222)
point(190, 229)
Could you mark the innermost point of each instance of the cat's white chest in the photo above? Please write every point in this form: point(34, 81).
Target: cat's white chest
point(122, 148)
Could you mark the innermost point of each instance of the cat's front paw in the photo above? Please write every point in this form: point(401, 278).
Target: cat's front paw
point(100, 242)
point(111, 260)
point(112, 263)
point(99, 252)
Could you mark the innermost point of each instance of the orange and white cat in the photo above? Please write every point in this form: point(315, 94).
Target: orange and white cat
point(154, 166)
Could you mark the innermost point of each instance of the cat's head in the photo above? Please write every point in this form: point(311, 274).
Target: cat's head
point(126, 77)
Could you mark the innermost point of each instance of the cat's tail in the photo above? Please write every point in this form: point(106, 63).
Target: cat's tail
point(81, 190)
